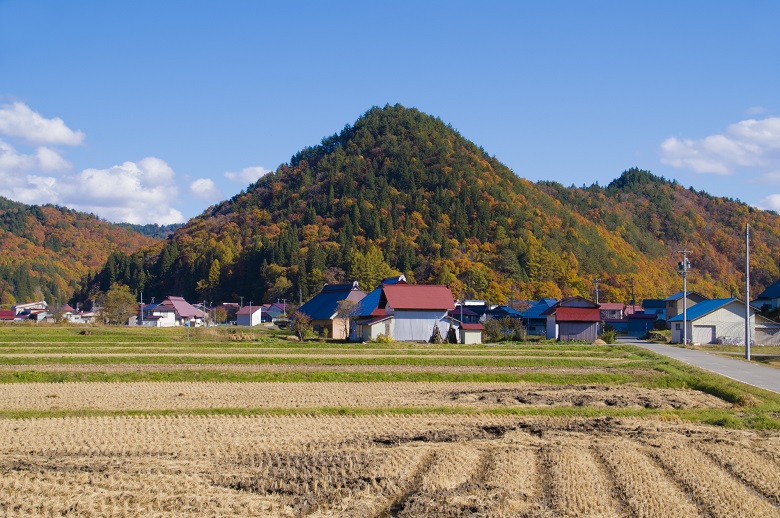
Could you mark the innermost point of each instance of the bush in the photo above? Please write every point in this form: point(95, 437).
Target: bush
point(608, 336)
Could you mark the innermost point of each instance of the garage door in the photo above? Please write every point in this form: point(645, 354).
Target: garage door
point(703, 334)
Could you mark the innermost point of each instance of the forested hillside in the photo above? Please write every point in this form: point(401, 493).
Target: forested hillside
point(401, 190)
point(49, 250)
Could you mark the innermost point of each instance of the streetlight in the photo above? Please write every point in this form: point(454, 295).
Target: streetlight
point(683, 267)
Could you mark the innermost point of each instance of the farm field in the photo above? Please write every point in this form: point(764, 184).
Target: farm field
point(112, 423)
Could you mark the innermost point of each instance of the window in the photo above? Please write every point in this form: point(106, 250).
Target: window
point(678, 326)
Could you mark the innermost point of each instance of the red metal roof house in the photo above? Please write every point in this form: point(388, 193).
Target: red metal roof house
point(409, 312)
point(573, 318)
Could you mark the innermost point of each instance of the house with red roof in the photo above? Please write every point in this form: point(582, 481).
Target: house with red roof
point(573, 318)
point(407, 312)
point(250, 316)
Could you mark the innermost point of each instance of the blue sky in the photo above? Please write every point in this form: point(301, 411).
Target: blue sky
point(150, 111)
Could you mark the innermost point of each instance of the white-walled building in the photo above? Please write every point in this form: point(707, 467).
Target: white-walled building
point(723, 321)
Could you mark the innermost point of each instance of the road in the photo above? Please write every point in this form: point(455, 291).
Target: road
point(746, 372)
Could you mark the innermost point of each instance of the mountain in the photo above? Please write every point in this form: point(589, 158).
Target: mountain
point(49, 250)
point(402, 191)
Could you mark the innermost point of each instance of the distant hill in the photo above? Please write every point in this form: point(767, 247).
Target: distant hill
point(49, 250)
point(152, 229)
point(441, 210)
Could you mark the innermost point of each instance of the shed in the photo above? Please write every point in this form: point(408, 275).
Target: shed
point(573, 318)
point(471, 333)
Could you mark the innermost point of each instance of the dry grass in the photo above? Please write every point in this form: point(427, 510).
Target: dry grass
point(209, 395)
point(380, 466)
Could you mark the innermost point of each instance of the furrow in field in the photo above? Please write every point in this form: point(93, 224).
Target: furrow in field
point(714, 488)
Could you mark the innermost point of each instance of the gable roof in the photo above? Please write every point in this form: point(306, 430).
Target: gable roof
point(703, 308)
point(539, 307)
point(417, 296)
point(182, 308)
point(461, 310)
point(566, 314)
point(612, 306)
point(249, 310)
point(679, 295)
point(323, 306)
point(503, 311)
point(571, 302)
point(771, 292)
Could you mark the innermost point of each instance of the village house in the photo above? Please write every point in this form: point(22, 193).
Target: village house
point(158, 315)
point(723, 321)
point(656, 307)
point(674, 304)
point(323, 309)
point(534, 320)
point(573, 318)
point(173, 311)
point(250, 316)
point(769, 299)
point(406, 312)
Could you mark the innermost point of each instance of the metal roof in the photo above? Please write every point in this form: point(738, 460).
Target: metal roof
point(703, 308)
point(418, 296)
point(323, 306)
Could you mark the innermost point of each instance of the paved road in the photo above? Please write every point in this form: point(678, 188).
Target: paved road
point(750, 373)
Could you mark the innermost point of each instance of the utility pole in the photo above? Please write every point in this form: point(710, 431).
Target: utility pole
point(242, 302)
point(683, 267)
point(142, 309)
point(747, 291)
point(596, 282)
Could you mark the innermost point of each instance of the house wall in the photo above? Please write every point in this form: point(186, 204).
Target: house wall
point(367, 333)
point(728, 323)
point(470, 337)
point(578, 331)
point(417, 326)
point(675, 307)
point(536, 326)
point(167, 319)
point(254, 319)
point(552, 328)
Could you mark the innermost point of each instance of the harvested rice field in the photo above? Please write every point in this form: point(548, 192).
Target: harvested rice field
point(127, 422)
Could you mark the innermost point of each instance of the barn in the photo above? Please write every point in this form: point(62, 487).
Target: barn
point(573, 318)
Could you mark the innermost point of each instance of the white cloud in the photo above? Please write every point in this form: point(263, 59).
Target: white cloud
point(133, 192)
point(141, 192)
point(771, 202)
point(748, 143)
point(17, 120)
point(248, 174)
point(205, 189)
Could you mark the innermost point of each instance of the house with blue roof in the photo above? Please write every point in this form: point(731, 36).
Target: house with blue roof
point(656, 307)
point(723, 321)
point(769, 299)
point(323, 309)
point(533, 319)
